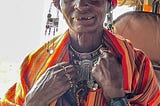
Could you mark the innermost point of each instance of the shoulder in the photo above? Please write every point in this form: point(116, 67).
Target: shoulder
point(138, 53)
point(42, 50)
point(119, 41)
point(135, 53)
point(36, 62)
point(126, 49)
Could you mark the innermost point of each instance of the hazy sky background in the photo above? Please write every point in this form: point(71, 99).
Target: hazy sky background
point(22, 25)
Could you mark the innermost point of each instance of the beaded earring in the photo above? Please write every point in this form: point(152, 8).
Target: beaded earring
point(109, 17)
point(51, 27)
point(109, 21)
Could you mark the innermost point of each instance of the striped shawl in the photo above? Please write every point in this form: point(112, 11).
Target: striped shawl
point(139, 77)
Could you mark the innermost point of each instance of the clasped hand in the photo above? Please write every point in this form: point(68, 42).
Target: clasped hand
point(109, 75)
point(61, 77)
point(51, 85)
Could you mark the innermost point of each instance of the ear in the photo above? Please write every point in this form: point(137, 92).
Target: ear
point(56, 4)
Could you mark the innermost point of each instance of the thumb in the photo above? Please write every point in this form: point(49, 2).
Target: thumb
point(105, 52)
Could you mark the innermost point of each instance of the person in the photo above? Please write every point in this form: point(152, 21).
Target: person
point(89, 66)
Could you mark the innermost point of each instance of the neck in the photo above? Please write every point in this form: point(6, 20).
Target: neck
point(87, 41)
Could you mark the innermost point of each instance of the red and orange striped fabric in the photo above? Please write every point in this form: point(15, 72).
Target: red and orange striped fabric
point(139, 77)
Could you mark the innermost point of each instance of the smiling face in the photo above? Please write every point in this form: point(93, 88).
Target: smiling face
point(84, 15)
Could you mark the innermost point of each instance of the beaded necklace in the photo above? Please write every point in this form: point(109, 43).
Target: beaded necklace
point(83, 62)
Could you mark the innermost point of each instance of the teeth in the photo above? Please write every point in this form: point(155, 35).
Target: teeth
point(89, 18)
point(83, 18)
point(80, 18)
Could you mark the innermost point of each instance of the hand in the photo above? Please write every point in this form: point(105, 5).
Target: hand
point(109, 75)
point(51, 85)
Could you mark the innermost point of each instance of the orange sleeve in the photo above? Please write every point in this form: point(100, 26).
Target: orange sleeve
point(147, 89)
point(33, 66)
point(139, 76)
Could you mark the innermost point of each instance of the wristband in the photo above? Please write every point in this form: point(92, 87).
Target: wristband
point(123, 101)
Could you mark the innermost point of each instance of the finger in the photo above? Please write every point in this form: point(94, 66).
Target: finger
point(59, 80)
point(110, 54)
point(63, 64)
point(71, 76)
point(104, 50)
point(101, 60)
point(105, 53)
point(66, 67)
point(106, 72)
point(96, 71)
point(69, 69)
point(64, 71)
point(69, 72)
point(61, 88)
point(54, 77)
point(94, 68)
point(58, 66)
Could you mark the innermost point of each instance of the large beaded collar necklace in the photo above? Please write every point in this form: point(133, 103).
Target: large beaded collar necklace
point(84, 63)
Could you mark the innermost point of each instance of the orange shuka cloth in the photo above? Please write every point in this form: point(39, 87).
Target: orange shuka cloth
point(139, 77)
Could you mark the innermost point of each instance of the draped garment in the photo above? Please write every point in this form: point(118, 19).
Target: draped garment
point(139, 77)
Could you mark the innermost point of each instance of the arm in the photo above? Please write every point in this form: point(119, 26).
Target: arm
point(47, 89)
point(108, 73)
point(147, 89)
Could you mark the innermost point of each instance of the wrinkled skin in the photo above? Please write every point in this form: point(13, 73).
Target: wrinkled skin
point(51, 85)
point(108, 73)
point(85, 20)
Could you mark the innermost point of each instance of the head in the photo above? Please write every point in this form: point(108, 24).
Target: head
point(84, 15)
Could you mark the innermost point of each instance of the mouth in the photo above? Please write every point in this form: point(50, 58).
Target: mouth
point(83, 18)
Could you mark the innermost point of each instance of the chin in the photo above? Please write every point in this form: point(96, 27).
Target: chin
point(87, 29)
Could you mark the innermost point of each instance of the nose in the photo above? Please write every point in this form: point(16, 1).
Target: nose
point(81, 5)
